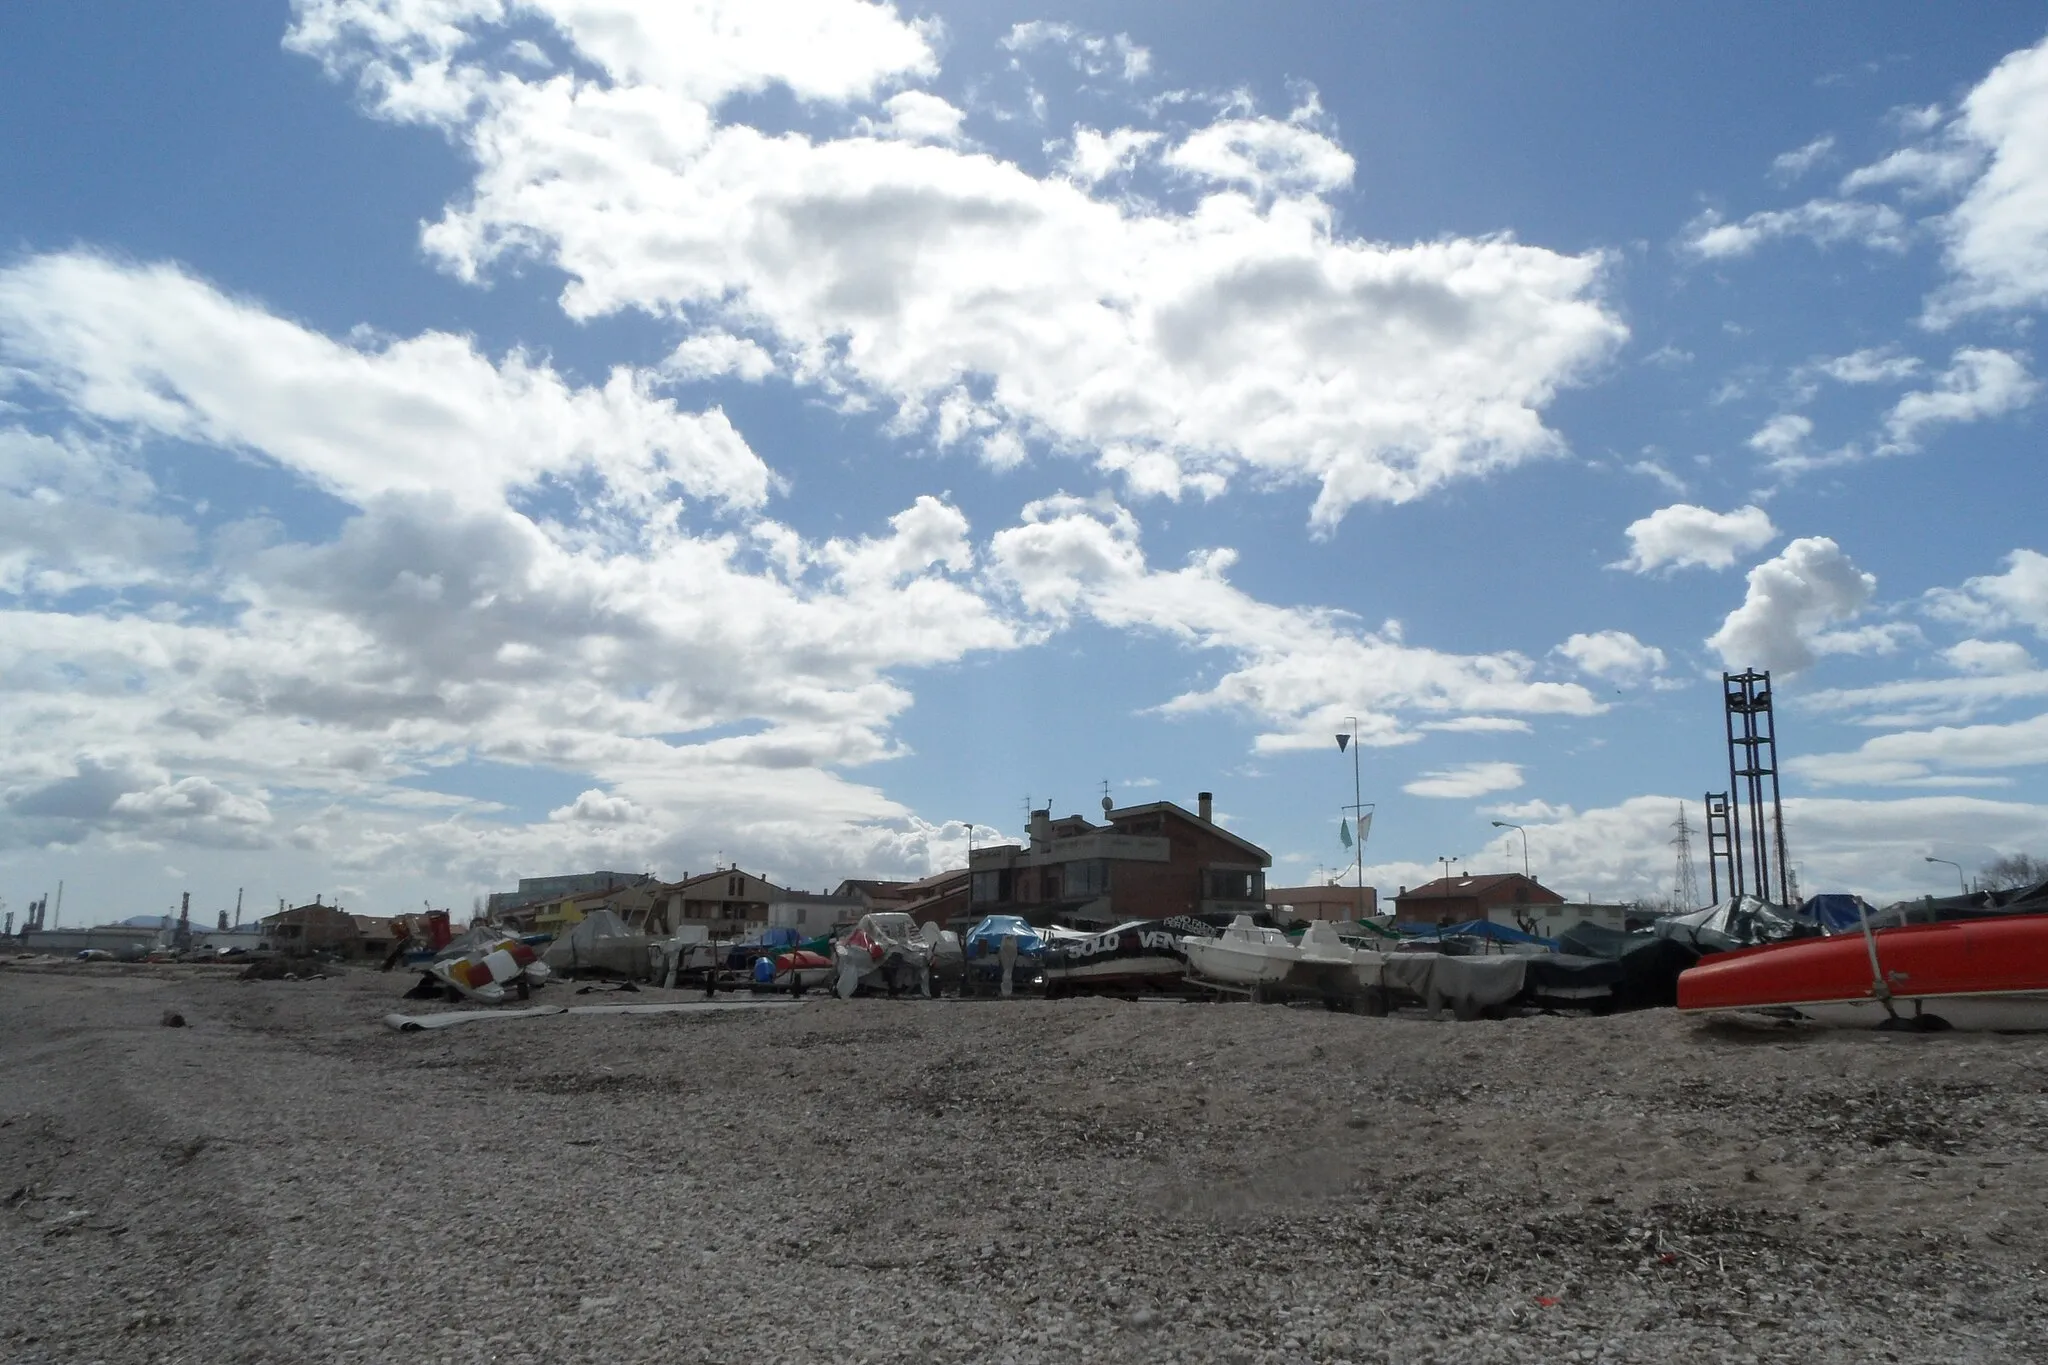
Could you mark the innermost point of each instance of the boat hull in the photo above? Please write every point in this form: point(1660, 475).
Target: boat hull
point(1235, 964)
point(1976, 974)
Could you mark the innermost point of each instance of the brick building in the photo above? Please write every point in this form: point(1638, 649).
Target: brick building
point(1146, 862)
point(1331, 901)
point(1455, 900)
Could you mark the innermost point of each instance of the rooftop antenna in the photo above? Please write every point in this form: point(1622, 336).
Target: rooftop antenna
point(1108, 805)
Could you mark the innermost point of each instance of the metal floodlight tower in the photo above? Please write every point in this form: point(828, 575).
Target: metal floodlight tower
point(1721, 864)
point(1752, 772)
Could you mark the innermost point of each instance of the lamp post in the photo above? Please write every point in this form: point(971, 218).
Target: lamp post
point(1960, 883)
point(1502, 824)
point(1349, 740)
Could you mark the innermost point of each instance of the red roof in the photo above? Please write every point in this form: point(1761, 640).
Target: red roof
point(1481, 887)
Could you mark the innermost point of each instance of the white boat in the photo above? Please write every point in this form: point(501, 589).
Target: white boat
point(1242, 955)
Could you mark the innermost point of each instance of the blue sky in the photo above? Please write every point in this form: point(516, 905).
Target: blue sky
point(443, 442)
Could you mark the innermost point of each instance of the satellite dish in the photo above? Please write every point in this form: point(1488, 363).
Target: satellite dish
point(1107, 805)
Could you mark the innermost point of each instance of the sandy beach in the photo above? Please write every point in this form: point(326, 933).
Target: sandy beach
point(285, 1178)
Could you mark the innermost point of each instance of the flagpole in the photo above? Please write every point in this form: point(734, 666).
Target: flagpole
point(1357, 805)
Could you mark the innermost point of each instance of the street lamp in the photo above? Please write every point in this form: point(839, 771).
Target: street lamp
point(1502, 824)
point(1959, 873)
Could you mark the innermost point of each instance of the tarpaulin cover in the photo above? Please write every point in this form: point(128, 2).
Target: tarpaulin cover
point(1650, 972)
point(1475, 928)
point(1738, 922)
point(882, 951)
point(1836, 913)
point(1468, 985)
point(601, 942)
point(1567, 981)
point(947, 956)
point(1142, 949)
point(782, 936)
point(986, 938)
point(1587, 939)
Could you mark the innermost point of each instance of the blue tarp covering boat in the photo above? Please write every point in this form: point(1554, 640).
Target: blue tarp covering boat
point(1836, 913)
point(986, 938)
point(1473, 928)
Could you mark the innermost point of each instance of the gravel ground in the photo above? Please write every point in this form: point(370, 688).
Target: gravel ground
point(286, 1179)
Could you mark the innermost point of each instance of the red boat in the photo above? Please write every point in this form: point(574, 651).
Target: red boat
point(1972, 974)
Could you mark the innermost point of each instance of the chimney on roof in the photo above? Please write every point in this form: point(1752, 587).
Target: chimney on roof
point(1205, 805)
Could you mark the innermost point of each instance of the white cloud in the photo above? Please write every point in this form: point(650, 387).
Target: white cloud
point(1298, 670)
point(1782, 439)
point(1998, 235)
point(1096, 156)
point(1979, 383)
point(1614, 655)
point(1466, 780)
point(2019, 596)
point(289, 690)
point(1873, 848)
point(73, 516)
point(1684, 535)
point(151, 348)
point(1989, 657)
point(1265, 155)
point(1919, 755)
point(1092, 54)
point(596, 807)
point(1824, 222)
point(709, 355)
point(1183, 346)
point(1918, 171)
point(1789, 166)
point(917, 116)
point(1811, 584)
point(1875, 365)
point(410, 53)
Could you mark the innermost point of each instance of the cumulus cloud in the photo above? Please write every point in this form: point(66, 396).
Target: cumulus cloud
point(1614, 655)
point(440, 623)
point(75, 517)
point(1466, 780)
point(1299, 670)
point(1980, 382)
point(990, 307)
point(151, 348)
point(1988, 656)
point(1997, 237)
point(1781, 624)
point(1824, 222)
point(1873, 365)
point(2019, 596)
point(1685, 535)
point(1096, 156)
point(1265, 156)
point(1782, 440)
point(917, 116)
point(601, 808)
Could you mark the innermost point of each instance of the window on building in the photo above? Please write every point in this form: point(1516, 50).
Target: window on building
point(1088, 877)
point(992, 888)
point(1232, 884)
